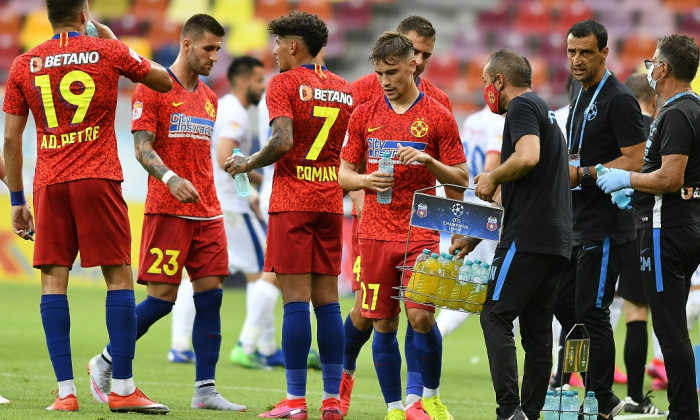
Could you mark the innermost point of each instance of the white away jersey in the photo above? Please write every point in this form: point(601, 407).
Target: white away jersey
point(482, 133)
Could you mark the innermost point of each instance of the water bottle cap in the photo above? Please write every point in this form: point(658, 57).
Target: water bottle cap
point(550, 393)
point(485, 265)
point(435, 255)
point(468, 262)
point(236, 150)
point(442, 254)
point(477, 261)
point(456, 251)
point(449, 257)
point(386, 154)
point(574, 393)
point(426, 251)
point(590, 394)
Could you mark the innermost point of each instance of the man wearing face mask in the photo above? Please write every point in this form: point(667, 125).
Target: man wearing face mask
point(536, 239)
point(667, 206)
point(604, 126)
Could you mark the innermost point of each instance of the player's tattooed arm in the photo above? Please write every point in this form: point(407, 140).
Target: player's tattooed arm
point(278, 145)
point(180, 188)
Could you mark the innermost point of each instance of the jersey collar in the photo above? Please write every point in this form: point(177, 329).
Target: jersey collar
point(70, 34)
point(178, 82)
point(420, 96)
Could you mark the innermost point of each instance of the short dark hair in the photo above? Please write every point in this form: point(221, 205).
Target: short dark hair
point(242, 66)
point(420, 25)
point(200, 23)
point(639, 85)
point(310, 28)
point(391, 48)
point(587, 27)
point(64, 11)
point(513, 65)
point(680, 52)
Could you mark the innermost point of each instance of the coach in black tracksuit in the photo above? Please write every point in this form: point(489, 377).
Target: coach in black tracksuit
point(536, 239)
point(604, 126)
point(667, 204)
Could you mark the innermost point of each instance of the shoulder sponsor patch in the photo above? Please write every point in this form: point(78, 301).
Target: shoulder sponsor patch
point(137, 111)
point(134, 55)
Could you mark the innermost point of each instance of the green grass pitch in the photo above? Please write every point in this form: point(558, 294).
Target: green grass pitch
point(26, 376)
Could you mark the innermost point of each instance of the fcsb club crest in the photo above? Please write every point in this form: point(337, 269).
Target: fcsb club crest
point(492, 224)
point(492, 97)
point(419, 128)
point(422, 210)
point(209, 107)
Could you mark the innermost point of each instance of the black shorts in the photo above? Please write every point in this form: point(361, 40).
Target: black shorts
point(629, 286)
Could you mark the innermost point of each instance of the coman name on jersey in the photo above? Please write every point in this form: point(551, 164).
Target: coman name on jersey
point(182, 125)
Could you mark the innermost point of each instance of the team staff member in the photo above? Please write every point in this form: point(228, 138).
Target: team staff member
point(537, 232)
point(309, 112)
point(183, 225)
point(604, 126)
point(422, 135)
point(358, 329)
point(70, 84)
point(667, 204)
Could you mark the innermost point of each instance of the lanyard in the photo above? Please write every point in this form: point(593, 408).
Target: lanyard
point(678, 95)
point(585, 113)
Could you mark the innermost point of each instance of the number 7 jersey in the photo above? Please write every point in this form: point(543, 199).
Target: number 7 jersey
point(70, 85)
point(319, 103)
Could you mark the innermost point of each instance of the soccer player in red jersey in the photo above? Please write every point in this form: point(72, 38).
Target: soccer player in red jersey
point(309, 111)
point(70, 84)
point(423, 138)
point(358, 329)
point(183, 226)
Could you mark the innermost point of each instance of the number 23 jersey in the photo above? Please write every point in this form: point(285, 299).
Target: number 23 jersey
point(319, 104)
point(70, 84)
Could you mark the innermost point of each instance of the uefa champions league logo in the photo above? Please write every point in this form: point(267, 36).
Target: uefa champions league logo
point(457, 210)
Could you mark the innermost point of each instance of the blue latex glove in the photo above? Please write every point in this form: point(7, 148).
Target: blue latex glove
point(614, 180)
point(623, 198)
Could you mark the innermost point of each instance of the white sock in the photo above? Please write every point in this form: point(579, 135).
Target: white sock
point(252, 329)
point(327, 396)
point(183, 317)
point(295, 397)
point(106, 355)
point(267, 343)
point(123, 387)
point(66, 388)
point(394, 404)
point(197, 384)
point(615, 312)
point(429, 393)
point(657, 347)
point(267, 295)
point(412, 398)
point(448, 321)
point(351, 373)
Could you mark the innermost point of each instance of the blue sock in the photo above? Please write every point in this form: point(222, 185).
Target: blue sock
point(56, 319)
point(127, 324)
point(387, 363)
point(330, 336)
point(354, 340)
point(206, 332)
point(296, 341)
point(414, 379)
point(429, 349)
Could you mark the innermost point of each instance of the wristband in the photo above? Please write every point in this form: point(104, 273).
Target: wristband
point(166, 177)
point(17, 198)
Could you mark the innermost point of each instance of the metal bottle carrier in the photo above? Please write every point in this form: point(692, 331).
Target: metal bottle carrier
point(483, 221)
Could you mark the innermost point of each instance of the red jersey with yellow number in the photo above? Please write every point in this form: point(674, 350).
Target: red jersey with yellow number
point(319, 104)
point(368, 87)
point(183, 123)
point(375, 128)
point(69, 83)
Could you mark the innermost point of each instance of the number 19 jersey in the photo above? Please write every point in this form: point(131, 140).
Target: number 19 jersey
point(70, 85)
point(319, 103)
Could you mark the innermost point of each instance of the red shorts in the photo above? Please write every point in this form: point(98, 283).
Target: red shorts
point(169, 243)
point(86, 215)
point(379, 275)
point(355, 254)
point(304, 242)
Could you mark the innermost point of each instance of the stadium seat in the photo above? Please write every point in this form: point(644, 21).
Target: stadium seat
point(657, 21)
point(533, 18)
point(494, 19)
point(336, 40)
point(271, 9)
point(322, 8)
point(690, 23)
point(164, 32)
point(682, 6)
point(246, 37)
point(26, 6)
point(10, 22)
point(233, 12)
point(572, 13)
point(36, 29)
point(146, 10)
point(468, 43)
point(181, 10)
point(443, 71)
point(127, 26)
point(635, 49)
point(139, 44)
point(8, 51)
point(109, 9)
point(354, 14)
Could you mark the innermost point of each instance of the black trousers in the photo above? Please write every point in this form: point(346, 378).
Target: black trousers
point(669, 256)
point(522, 285)
point(586, 291)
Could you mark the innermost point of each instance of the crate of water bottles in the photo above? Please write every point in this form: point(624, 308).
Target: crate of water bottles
point(446, 281)
point(566, 405)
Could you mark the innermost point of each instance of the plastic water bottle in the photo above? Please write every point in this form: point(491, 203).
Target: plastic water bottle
point(550, 405)
point(568, 406)
point(460, 291)
point(90, 29)
point(441, 258)
point(458, 261)
point(425, 287)
point(619, 197)
point(385, 165)
point(242, 183)
point(481, 289)
point(590, 407)
point(418, 269)
point(447, 280)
